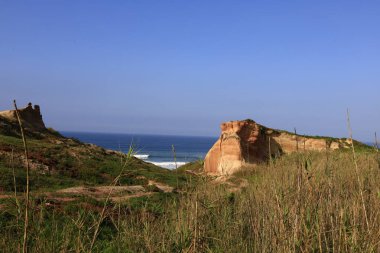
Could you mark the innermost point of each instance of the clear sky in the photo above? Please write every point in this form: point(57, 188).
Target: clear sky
point(183, 67)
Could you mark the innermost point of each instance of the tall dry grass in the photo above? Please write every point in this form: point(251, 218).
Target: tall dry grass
point(327, 205)
point(262, 217)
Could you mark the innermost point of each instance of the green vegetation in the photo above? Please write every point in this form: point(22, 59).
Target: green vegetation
point(196, 167)
point(278, 210)
point(60, 162)
point(303, 202)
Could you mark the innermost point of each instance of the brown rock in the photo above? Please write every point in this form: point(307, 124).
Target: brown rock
point(30, 116)
point(246, 142)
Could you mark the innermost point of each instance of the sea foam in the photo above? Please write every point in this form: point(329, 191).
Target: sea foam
point(141, 156)
point(169, 165)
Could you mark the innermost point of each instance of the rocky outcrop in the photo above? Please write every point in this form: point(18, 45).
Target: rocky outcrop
point(30, 116)
point(246, 142)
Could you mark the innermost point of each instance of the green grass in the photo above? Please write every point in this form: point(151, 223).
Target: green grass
point(303, 202)
point(196, 166)
point(38, 182)
point(208, 217)
point(61, 163)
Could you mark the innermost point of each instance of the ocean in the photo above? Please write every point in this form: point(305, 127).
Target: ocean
point(156, 149)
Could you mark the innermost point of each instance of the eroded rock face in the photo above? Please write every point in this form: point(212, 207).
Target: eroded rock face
point(30, 116)
point(246, 142)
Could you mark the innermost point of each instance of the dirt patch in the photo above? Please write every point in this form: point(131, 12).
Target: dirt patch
point(115, 193)
point(61, 199)
point(102, 190)
point(161, 186)
point(4, 196)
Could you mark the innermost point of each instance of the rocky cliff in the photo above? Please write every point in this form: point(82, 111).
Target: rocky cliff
point(31, 119)
point(246, 142)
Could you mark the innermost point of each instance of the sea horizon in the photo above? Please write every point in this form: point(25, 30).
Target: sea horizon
point(116, 133)
point(152, 148)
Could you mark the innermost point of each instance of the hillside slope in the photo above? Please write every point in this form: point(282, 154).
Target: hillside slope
point(58, 162)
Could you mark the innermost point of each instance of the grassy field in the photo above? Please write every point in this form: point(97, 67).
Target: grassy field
point(59, 163)
point(309, 202)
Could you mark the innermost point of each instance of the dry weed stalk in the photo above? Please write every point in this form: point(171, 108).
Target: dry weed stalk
point(15, 194)
point(14, 183)
point(299, 189)
point(26, 221)
point(357, 169)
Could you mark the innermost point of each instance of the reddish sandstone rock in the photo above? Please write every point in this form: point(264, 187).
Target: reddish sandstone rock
point(246, 142)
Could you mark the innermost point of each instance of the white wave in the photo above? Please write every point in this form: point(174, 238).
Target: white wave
point(168, 165)
point(142, 156)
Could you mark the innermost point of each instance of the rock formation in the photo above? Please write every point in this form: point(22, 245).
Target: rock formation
point(30, 116)
point(246, 142)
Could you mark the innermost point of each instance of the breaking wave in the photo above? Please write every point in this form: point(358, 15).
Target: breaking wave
point(168, 165)
point(142, 156)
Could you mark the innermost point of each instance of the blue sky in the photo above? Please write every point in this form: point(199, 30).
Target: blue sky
point(183, 67)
